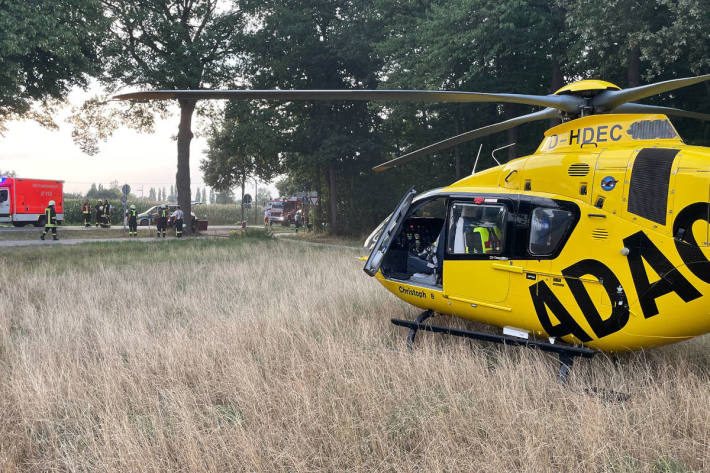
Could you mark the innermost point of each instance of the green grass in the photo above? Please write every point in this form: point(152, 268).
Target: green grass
point(354, 242)
point(74, 233)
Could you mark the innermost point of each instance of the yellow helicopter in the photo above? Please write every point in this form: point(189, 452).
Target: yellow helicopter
point(599, 240)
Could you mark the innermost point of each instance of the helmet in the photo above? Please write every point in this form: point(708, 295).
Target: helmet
point(133, 207)
point(51, 202)
point(162, 206)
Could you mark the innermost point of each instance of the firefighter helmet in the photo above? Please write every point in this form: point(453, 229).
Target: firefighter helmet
point(51, 202)
point(133, 207)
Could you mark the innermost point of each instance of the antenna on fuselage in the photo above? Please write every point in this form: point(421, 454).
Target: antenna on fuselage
point(493, 153)
point(475, 163)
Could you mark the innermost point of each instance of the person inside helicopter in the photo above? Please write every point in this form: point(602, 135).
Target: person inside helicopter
point(476, 229)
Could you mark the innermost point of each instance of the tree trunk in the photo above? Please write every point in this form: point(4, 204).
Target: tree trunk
point(634, 67)
point(457, 153)
point(556, 78)
point(319, 207)
point(187, 108)
point(555, 85)
point(332, 199)
point(509, 111)
point(244, 180)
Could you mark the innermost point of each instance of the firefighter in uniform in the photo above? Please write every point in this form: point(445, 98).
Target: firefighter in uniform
point(50, 216)
point(86, 213)
point(106, 216)
point(132, 221)
point(162, 220)
point(99, 211)
point(178, 214)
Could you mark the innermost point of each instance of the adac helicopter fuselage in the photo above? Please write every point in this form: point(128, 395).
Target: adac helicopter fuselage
point(598, 238)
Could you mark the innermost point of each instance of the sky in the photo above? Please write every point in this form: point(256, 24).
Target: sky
point(139, 160)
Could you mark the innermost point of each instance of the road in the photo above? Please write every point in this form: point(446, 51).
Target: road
point(71, 235)
point(75, 228)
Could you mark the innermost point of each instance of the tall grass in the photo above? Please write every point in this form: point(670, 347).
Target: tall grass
point(251, 355)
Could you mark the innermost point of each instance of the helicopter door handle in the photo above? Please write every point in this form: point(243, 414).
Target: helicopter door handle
point(582, 145)
point(596, 215)
point(510, 174)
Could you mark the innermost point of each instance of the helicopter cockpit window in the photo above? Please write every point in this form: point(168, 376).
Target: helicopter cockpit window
point(476, 229)
point(547, 229)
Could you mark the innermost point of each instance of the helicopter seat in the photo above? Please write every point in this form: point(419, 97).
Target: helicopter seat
point(474, 243)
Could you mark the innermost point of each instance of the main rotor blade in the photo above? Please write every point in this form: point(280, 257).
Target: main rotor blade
point(468, 136)
point(611, 99)
point(640, 108)
point(566, 103)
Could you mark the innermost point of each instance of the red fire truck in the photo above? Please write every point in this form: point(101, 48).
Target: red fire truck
point(22, 201)
point(284, 210)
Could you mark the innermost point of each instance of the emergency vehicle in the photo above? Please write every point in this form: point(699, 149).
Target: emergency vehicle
point(284, 210)
point(23, 201)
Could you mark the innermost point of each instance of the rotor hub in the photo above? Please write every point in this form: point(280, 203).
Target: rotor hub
point(587, 88)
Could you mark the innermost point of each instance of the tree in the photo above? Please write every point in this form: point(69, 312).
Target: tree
point(173, 44)
point(100, 192)
point(151, 194)
point(8, 173)
point(226, 197)
point(320, 44)
point(46, 47)
point(614, 39)
point(479, 45)
point(241, 146)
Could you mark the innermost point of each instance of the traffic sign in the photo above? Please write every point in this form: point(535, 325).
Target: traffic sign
point(126, 189)
point(247, 199)
point(314, 200)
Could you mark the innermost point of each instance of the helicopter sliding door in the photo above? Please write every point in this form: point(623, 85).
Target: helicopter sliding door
point(477, 247)
point(388, 233)
point(408, 249)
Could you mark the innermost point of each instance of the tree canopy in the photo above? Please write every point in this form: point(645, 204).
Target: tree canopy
point(519, 46)
point(46, 48)
point(168, 44)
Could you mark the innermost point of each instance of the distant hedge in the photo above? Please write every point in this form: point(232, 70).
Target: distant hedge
point(216, 214)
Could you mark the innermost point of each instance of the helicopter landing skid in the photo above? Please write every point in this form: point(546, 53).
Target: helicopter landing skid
point(567, 354)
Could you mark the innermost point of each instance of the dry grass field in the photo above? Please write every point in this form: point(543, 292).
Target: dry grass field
point(252, 355)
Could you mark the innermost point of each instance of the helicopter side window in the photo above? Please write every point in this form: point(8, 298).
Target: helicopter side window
point(548, 228)
point(476, 229)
